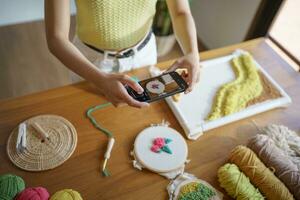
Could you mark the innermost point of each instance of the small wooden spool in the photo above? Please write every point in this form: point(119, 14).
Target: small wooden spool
point(51, 140)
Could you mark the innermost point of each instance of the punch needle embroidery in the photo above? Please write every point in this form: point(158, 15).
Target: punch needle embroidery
point(160, 144)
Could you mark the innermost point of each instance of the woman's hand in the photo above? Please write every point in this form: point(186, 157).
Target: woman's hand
point(191, 63)
point(112, 86)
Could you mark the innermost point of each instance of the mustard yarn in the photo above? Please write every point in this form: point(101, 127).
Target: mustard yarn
point(259, 175)
point(234, 96)
point(66, 194)
point(237, 184)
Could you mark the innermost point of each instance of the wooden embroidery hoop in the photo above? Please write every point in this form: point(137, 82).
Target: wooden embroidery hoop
point(160, 162)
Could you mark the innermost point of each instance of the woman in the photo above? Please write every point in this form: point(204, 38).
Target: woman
point(115, 36)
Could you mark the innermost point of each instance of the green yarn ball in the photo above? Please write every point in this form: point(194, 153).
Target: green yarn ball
point(10, 186)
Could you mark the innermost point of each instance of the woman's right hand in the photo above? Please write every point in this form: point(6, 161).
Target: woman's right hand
point(112, 86)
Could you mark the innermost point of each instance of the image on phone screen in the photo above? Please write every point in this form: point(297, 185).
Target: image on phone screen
point(159, 87)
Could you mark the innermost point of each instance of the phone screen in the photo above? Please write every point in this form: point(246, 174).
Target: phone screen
point(160, 86)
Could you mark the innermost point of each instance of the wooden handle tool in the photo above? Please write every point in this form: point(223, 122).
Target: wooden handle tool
point(107, 155)
point(42, 133)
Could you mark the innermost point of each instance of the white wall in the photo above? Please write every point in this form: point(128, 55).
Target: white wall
point(223, 22)
point(19, 11)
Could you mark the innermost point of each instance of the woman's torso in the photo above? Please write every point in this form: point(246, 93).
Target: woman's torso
point(114, 24)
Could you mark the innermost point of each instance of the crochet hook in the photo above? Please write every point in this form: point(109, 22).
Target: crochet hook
point(107, 155)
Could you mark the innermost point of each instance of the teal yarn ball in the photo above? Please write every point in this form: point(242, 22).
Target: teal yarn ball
point(10, 186)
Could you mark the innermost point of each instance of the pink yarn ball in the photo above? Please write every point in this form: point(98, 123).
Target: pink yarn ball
point(34, 193)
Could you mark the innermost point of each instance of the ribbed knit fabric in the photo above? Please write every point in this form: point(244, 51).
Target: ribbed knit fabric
point(114, 24)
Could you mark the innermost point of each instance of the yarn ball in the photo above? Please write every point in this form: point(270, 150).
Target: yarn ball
point(273, 157)
point(35, 193)
point(285, 139)
point(10, 186)
point(260, 176)
point(66, 194)
point(237, 184)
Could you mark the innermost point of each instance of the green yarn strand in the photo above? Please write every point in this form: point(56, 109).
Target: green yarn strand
point(93, 120)
point(109, 134)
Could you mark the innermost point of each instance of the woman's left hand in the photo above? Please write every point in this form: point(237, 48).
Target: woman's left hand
point(191, 63)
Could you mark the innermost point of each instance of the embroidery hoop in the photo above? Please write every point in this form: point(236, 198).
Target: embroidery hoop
point(168, 165)
point(186, 178)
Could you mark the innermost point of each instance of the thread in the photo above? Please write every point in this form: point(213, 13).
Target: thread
point(34, 193)
point(275, 158)
point(285, 139)
point(66, 194)
point(236, 184)
point(259, 175)
point(10, 186)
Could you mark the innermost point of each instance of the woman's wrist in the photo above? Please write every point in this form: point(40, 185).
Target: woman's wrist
point(98, 77)
point(194, 53)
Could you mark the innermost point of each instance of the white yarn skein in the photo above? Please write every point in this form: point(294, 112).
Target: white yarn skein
point(285, 139)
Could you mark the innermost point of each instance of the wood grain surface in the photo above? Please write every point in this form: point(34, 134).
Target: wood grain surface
point(82, 171)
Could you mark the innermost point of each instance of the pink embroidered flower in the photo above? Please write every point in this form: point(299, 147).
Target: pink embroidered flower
point(160, 142)
point(155, 148)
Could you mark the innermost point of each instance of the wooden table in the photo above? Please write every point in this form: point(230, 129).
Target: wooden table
point(82, 171)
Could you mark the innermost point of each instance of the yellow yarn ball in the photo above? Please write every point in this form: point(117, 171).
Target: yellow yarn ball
point(66, 194)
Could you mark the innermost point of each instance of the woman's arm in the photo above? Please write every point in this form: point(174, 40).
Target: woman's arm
point(57, 18)
point(185, 32)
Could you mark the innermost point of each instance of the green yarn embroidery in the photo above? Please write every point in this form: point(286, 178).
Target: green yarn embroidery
point(202, 192)
point(166, 149)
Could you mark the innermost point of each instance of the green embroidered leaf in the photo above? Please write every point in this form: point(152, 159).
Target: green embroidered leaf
point(167, 140)
point(166, 149)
